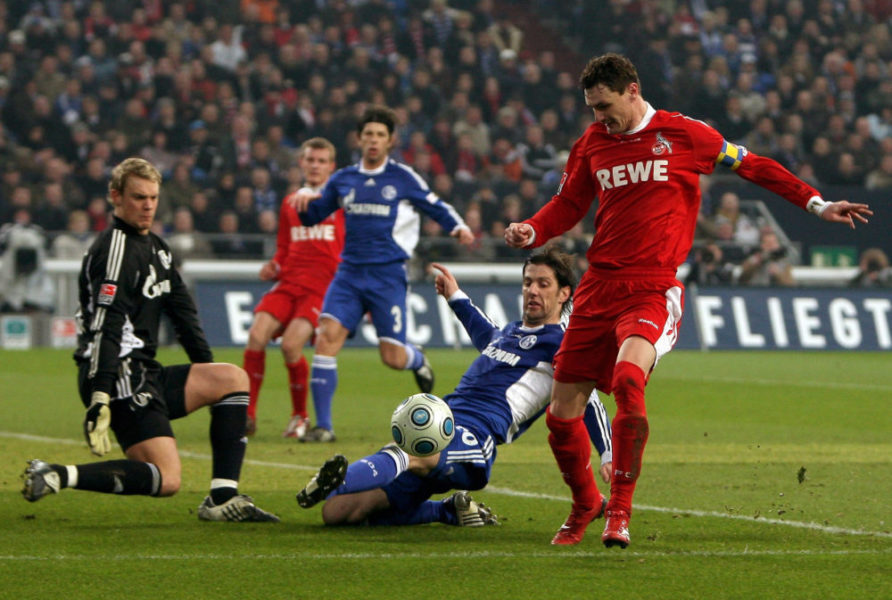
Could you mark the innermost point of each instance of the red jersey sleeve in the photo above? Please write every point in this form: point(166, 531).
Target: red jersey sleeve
point(712, 149)
point(574, 196)
point(283, 239)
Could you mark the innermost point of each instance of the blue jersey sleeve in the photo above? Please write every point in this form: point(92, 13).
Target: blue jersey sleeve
point(474, 320)
point(426, 201)
point(321, 207)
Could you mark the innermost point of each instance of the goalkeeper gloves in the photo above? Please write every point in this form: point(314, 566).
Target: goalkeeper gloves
point(96, 423)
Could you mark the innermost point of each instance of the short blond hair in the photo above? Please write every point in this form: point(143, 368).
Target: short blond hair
point(136, 167)
point(317, 143)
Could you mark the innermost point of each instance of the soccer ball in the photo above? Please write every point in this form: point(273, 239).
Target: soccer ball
point(422, 425)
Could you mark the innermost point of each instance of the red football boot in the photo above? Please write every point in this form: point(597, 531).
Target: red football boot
point(616, 529)
point(573, 529)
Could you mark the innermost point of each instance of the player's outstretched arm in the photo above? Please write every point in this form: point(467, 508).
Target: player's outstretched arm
point(463, 234)
point(301, 199)
point(445, 281)
point(846, 212)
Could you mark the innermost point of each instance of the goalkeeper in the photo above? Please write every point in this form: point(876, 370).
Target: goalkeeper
point(127, 281)
point(501, 394)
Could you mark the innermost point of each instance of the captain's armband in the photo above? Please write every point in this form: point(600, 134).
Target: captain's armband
point(731, 155)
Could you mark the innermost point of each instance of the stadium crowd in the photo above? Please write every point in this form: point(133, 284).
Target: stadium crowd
point(220, 94)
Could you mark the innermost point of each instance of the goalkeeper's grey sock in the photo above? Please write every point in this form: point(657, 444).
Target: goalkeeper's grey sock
point(125, 477)
point(228, 442)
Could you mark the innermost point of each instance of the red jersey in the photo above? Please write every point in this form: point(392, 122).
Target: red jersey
point(647, 182)
point(308, 256)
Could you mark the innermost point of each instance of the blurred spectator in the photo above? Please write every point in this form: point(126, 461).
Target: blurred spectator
point(768, 265)
point(729, 224)
point(873, 270)
point(503, 163)
point(536, 156)
point(227, 51)
point(177, 190)
point(52, 214)
point(184, 241)
point(74, 242)
point(506, 35)
point(229, 243)
point(880, 178)
point(709, 268)
point(205, 209)
point(98, 211)
point(159, 154)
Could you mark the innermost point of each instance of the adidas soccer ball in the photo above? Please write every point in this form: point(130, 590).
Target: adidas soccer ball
point(422, 425)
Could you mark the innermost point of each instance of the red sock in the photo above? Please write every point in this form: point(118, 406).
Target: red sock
point(297, 382)
point(254, 363)
point(630, 432)
point(572, 450)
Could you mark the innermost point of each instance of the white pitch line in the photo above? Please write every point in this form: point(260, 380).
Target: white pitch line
point(510, 492)
point(706, 513)
point(290, 556)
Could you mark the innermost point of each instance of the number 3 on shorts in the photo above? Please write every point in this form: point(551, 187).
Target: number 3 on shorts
point(397, 318)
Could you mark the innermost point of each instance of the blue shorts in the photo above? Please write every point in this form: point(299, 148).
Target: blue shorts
point(464, 465)
point(376, 289)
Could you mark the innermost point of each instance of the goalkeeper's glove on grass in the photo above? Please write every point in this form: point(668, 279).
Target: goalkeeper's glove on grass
point(96, 423)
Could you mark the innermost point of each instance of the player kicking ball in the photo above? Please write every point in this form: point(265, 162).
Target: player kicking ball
point(501, 394)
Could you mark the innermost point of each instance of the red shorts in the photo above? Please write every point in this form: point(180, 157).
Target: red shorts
point(608, 311)
point(288, 302)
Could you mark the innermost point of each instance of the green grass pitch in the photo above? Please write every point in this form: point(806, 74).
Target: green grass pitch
point(720, 509)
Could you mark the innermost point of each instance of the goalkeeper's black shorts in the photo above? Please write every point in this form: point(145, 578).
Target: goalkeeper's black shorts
point(147, 398)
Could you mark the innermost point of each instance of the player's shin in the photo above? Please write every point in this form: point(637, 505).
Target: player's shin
point(298, 373)
point(630, 432)
point(323, 382)
point(572, 450)
point(254, 363)
point(374, 471)
point(125, 477)
point(227, 444)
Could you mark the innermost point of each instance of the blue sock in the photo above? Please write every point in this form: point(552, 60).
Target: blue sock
point(414, 357)
point(429, 511)
point(374, 471)
point(323, 382)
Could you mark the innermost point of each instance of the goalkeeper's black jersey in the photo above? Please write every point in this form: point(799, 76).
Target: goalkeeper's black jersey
point(127, 280)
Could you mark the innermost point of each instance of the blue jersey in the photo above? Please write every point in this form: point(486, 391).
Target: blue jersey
point(508, 386)
point(382, 225)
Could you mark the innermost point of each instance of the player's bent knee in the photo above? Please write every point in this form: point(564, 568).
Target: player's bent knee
point(230, 378)
point(170, 484)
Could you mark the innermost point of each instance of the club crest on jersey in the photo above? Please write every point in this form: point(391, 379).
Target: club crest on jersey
point(107, 293)
point(662, 145)
point(388, 192)
point(528, 341)
point(165, 258)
